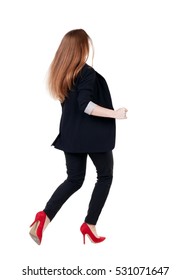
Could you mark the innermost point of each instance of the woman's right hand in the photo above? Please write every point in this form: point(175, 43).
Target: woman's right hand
point(121, 113)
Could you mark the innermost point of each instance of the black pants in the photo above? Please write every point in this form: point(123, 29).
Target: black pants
point(76, 169)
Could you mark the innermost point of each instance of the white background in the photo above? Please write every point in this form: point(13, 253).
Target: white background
point(142, 49)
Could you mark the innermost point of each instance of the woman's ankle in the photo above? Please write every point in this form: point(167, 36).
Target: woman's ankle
point(93, 229)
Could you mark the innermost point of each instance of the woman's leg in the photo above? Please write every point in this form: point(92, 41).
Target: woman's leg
point(104, 167)
point(76, 169)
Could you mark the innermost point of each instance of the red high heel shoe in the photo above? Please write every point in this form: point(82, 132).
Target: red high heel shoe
point(37, 227)
point(85, 229)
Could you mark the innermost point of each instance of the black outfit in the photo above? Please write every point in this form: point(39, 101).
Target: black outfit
point(79, 132)
point(80, 135)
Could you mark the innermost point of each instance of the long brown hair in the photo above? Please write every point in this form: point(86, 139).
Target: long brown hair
point(69, 59)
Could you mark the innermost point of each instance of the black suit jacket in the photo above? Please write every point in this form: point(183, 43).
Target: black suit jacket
point(80, 132)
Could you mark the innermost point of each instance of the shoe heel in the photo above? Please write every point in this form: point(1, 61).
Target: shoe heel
point(83, 238)
point(33, 223)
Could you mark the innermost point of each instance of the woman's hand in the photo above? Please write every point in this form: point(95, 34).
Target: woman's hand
point(121, 113)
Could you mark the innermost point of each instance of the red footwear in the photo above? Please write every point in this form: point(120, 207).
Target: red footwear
point(37, 227)
point(85, 229)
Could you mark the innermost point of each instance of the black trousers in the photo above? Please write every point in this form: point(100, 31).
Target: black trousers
point(76, 169)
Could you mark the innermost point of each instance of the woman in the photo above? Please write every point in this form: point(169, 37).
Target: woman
point(87, 128)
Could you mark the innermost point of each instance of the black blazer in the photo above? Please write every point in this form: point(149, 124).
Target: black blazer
point(80, 132)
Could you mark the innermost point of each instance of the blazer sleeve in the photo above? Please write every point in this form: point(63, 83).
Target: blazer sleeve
point(85, 87)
